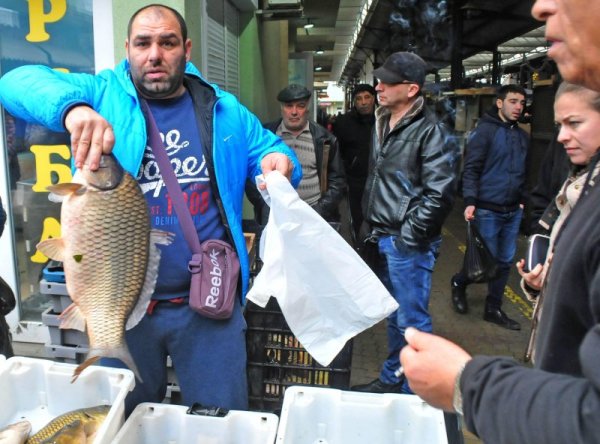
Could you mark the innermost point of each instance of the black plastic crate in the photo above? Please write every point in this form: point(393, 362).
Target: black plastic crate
point(276, 360)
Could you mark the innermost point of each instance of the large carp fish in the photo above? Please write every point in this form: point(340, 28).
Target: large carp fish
point(110, 257)
point(74, 427)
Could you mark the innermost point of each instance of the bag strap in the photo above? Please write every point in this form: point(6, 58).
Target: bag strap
point(168, 176)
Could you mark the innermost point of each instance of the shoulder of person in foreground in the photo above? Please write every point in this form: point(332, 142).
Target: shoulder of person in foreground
point(506, 403)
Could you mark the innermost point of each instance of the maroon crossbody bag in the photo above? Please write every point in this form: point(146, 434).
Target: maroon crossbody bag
point(214, 266)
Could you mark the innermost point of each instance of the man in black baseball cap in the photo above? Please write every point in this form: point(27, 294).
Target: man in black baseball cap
point(408, 194)
point(402, 67)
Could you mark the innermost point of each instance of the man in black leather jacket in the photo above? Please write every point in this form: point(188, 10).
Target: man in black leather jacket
point(323, 183)
point(409, 192)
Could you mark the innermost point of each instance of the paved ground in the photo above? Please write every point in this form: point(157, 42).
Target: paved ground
point(470, 331)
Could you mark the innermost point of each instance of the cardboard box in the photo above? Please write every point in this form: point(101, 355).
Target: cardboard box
point(153, 423)
point(39, 390)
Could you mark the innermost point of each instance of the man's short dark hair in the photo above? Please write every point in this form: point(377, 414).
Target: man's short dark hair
point(510, 88)
point(177, 15)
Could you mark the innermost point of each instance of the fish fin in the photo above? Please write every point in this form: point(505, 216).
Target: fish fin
point(81, 367)
point(64, 189)
point(121, 353)
point(157, 237)
point(52, 248)
point(72, 317)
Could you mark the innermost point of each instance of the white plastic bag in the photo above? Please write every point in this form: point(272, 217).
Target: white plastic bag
point(326, 292)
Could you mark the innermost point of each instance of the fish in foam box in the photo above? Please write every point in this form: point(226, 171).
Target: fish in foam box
point(325, 415)
point(39, 390)
point(152, 423)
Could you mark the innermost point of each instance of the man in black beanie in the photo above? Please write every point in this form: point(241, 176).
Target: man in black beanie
point(353, 131)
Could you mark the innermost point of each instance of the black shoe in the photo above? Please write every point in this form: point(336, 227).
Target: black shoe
point(376, 386)
point(497, 316)
point(459, 297)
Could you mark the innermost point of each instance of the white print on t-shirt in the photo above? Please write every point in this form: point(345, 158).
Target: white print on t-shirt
point(187, 169)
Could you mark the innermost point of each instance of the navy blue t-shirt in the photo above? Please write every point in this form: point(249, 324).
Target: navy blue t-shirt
point(176, 123)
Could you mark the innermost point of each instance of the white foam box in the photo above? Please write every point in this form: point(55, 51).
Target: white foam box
point(152, 423)
point(39, 390)
point(331, 416)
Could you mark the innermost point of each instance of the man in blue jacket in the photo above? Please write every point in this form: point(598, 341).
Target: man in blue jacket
point(214, 144)
point(494, 194)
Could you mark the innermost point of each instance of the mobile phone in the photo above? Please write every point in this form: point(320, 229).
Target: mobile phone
point(537, 249)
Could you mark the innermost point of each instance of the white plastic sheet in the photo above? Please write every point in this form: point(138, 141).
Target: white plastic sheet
point(326, 292)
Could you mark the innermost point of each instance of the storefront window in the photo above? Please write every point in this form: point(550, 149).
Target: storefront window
point(58, 34)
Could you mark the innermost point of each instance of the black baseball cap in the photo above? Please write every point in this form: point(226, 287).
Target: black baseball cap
point(293, 92)
point(402, 67)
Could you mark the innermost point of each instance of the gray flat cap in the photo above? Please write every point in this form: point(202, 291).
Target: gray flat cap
point(293, 92)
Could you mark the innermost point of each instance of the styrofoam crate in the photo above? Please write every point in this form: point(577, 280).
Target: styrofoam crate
point(39, 390)
point(62, 336)
point(153, 423)
point(332, 416)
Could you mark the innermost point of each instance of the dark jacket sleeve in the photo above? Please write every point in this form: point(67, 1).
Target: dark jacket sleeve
point(439, 164)
point(504, 402)
point(475, 156)
point(552, 173)
point(327, 206)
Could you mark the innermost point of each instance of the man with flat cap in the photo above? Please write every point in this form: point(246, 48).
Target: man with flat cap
point(409, 192)
point(323, 183)
point(353, 131)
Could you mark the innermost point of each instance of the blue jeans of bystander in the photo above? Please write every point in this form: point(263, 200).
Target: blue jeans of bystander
point(406, 273)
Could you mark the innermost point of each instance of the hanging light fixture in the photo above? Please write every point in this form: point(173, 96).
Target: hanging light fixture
point(309, 24)
point(319, 50)
point(318, 68)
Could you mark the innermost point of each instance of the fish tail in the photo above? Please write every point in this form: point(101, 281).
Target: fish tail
point(121, 353)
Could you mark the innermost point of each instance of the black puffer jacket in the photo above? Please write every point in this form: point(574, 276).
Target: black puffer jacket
point(412, 177)
point(327, 206)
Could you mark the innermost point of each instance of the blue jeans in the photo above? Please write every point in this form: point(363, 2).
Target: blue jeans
point(209, 357)
point(500, 232)
point(406, 273)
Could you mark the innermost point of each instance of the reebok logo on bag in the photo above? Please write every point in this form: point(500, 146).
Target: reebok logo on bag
point(215, 271)
point(216, 282)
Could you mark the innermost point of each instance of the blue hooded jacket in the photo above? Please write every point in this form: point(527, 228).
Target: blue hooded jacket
point(239, 141)
point(495, 165)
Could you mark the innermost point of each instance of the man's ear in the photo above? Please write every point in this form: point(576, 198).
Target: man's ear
point(413, 89)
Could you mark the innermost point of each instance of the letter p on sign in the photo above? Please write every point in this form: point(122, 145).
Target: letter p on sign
point(38, 18)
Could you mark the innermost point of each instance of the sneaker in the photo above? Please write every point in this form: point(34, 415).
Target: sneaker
point(459, 297)
point(376, 386)
point(497, 316)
